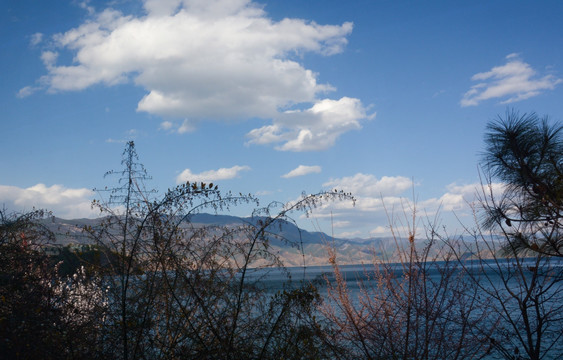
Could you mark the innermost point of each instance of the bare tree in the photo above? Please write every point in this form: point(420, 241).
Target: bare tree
point(180, 290)
point(525, 290)
point(422, 307)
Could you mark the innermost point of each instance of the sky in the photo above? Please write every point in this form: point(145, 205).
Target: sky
point(388, 100)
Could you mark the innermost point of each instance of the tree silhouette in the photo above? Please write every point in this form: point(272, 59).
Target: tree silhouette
point(526, 153)
point(183, 290)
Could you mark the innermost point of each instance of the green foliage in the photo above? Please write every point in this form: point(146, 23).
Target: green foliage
point(525, 152)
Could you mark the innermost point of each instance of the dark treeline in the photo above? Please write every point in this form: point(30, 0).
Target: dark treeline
point(150, 286)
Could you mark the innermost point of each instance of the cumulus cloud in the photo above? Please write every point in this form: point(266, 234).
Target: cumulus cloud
point(62, 201)
point(389, 199)
point(316, 128)
point(302, 170)
point(456, 198)
point(373, 196)
point(370, 186)
point(461, 198)
point(211, 175)
point(49, 58)
point(211, 59)
point(511, 82)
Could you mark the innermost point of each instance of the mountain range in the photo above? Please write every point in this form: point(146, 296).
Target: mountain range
point(315, 245)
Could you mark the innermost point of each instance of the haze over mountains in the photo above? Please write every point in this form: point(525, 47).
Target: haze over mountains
point(286, 240)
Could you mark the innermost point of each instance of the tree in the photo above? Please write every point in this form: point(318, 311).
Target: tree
point(525, 152)
point(517, 239)
point(422, 307)
point(156, 285)
point(29, 323)
point(181, 290)
point(41, 312)
point(524, 294)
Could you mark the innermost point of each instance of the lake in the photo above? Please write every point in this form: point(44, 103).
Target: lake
point(493, 274)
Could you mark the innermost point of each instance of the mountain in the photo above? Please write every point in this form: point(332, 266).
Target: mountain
point(286, 240)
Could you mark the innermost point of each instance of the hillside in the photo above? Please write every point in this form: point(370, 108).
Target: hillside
point(286, 240)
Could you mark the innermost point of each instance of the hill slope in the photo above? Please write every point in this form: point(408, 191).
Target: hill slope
point(286, 241)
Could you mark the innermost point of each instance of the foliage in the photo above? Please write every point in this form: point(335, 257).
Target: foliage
point(526, 153)
point(41, 312)
point(33, 322)
point(71, 260)
point(28, 321)
point(525, 295)
point(155, 285)
point(420, 308)
point(515, 252)
point(181, 290)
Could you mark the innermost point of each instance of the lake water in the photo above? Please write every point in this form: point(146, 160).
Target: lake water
point(492, 275)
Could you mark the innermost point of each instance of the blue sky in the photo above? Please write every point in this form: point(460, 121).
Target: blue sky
point(274, 98)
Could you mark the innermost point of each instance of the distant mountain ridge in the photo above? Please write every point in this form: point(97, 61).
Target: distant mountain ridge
point(314, 244)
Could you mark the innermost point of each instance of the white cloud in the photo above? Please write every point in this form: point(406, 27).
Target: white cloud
point(302, 170)
point(267, 192)
point(460, 198)
point(36, 39)
point(129, 135)
point(349, 234)
point(379, 230)
point(63, 202)
point(85, 5)
point(456, 198)
point(211, 175)
point(49, 58)
point(370, 186)
point(316, 128)
point(339, 224)
point(166, 125)
point(211, 59)
point(115, 141)
point(26, 91)
point(186, 127)
point(373, 196)
point(389, 199)
point(514, 81)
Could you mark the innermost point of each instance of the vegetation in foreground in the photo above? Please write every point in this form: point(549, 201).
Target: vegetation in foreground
point(152, 289)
